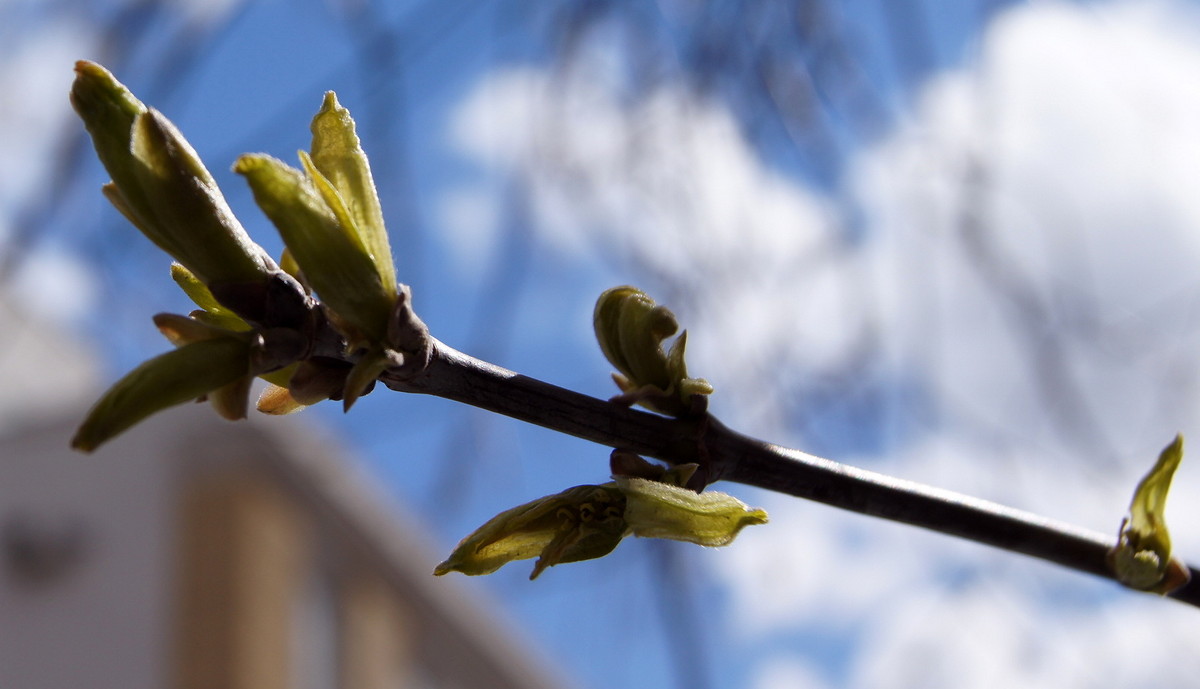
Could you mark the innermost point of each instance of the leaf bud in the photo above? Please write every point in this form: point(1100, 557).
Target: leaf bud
point(630, 328)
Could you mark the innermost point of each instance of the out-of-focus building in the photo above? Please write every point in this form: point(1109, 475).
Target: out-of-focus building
point(195, 553)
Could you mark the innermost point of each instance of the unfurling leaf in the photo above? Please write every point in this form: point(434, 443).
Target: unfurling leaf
point(630, 328)
point(339, 157)
point(211, 311)
point(329, 216)
point(187, 373)
point(331, 221)
point(160, 184)
point(331, 256)
point(587, 522)
point(654, 509)
point(1142, 557)
point(580, 523)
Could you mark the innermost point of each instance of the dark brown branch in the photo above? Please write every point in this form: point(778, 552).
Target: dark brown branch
point(462, 378)
point(727, 455)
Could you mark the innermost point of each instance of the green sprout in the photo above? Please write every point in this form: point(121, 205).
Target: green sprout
point(161, 186)
point(329, 215)
point(630, 328)
point(1142, 557)
point(587, 522)
point(255, 319)
point(187, 373)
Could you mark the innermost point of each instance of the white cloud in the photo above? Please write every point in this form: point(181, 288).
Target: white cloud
point(669, 178)
point(931, 611)
point(788, 673)
point(1085, 123)
point(668, 181)
point(36, 78)
point(994, 636)
point(36, 74)
point(818, 566)
point(1088, 121)
point(206, 11)
point(54, 285)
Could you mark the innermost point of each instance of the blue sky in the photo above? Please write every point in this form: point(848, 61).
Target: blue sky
point(965, 255)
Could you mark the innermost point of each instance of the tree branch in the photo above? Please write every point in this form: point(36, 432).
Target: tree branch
point(724, 454)
point(463, 378)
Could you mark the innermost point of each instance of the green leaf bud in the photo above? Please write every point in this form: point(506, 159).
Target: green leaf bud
point(587, 522)
point(330, 254)
point(338, 155)
point(212, 312)
point(654, 509)
point(184, 374)
point(1142, 557)
point(160, 184)
point(580, 523)
point(108, 110)
point(630, 328)
point(366, 370)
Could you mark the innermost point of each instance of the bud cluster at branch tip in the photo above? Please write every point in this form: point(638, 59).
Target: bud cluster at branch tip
point(255, 319)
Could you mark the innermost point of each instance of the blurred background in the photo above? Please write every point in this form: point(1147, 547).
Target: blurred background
point(953, 242)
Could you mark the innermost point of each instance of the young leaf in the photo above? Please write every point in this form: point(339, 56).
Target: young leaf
point(1142, 557)
point(331, 255)
point(212, 312)
point(339, 157)
point(580, 523)
point(587, 522)
point(179, 376)
point(630, 328)
point(654, 509)
point(161, 185)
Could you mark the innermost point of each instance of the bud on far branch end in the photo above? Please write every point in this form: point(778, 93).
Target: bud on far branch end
point(1142, 557)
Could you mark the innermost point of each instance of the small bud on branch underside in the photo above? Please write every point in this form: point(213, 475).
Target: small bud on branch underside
point(330, 321)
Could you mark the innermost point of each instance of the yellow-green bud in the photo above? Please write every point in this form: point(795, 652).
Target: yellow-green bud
point(580, 523)
point(160, 184)
point(630, 328)
point(211, 311)
point(338, 155)
point(587, 522)
point(330, 253)
point(1142, 557)
point(654, 509)
point(184, 374)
